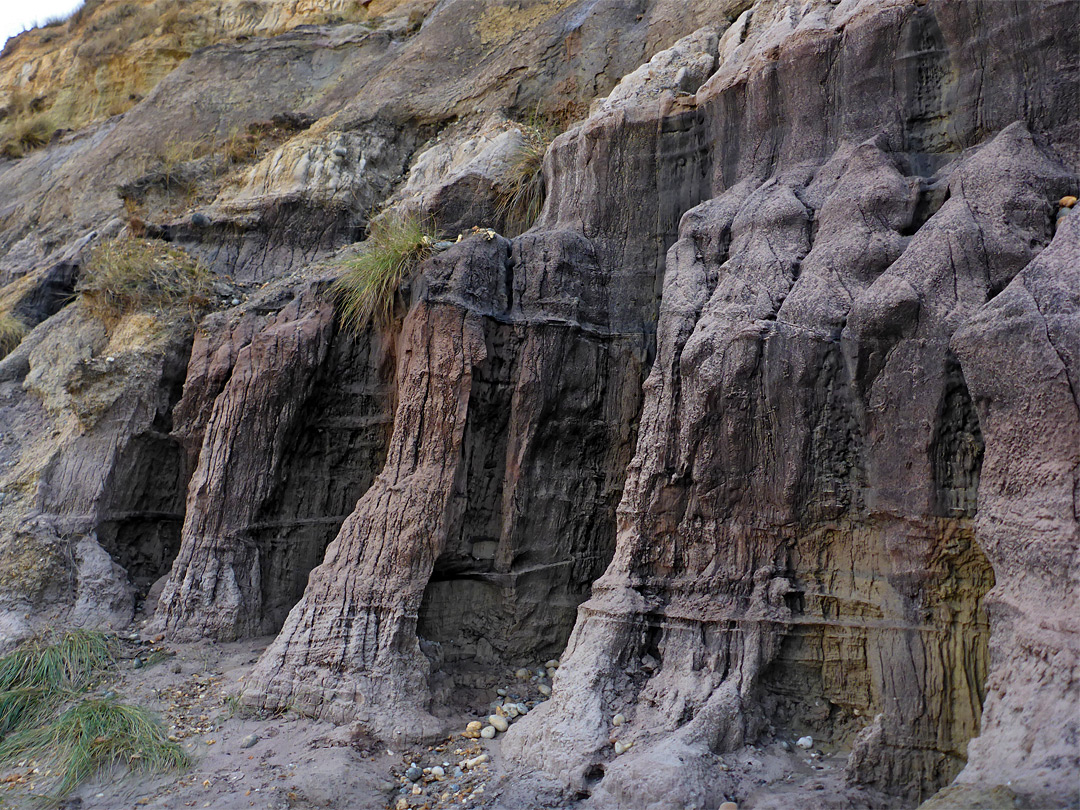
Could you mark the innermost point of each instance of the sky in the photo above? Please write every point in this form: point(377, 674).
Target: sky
point(18, 15)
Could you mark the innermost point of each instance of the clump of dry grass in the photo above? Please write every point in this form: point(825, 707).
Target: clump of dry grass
point(366, 289)
point(26, 133)
point(522, 194)
point(12, 331)
point(127, 275)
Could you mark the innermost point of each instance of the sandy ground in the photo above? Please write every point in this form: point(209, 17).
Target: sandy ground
point(287, 761)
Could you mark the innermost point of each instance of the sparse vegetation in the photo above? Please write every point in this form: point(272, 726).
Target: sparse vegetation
point(127, 275)
point(521, 198)
point(12, 331)
point(69, 663)
point(25, 133)
point(366, 289)
point(46, 717)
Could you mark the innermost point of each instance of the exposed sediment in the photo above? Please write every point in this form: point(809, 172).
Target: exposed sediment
point(767, 427)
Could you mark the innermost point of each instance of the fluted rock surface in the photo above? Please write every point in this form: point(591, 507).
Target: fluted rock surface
point(768, 425)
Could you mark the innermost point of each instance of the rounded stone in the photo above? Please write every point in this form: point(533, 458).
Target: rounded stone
point(805, 742)
point(618, 720)
point(488, 732)
point(728, 806)
point(544, 690)
point(475, 725)
point(413, 773)
point(552, 663)
point(1068, 201)
point(438, 772)
point(523, 674)
point(500, 723)
point(249, 740)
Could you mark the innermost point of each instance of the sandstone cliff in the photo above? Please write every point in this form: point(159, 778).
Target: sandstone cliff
point(769, 423)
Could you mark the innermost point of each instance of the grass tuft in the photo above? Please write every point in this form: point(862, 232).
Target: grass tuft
point(45, 716)
point(366, 289)
point(69, 663)
point(12, 331)
point(24, 707)
point(93, 735)
point(128, 275)
point(521, 198)
point(26, 134)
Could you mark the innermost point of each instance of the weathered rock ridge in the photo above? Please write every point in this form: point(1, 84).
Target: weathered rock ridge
point(769, 424)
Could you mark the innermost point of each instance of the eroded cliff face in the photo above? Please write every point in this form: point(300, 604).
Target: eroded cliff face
point(769, 425)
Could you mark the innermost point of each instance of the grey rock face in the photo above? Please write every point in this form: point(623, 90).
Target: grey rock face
point(1021, 356)
point(88, 466)
point(770, 422)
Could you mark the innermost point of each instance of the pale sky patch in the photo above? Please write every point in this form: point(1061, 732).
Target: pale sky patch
point(17, 16)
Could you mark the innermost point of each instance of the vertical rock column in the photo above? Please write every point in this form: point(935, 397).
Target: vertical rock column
point(752, 455)
point(349, 647)
point(215, 586)
point(1021, 357)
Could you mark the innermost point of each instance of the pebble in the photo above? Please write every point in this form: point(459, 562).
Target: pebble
point(541, 672)
point(480, 760)
point(500, 723)
point(500, 692)
point(805, 742)
point(438, 772)
point(249, 740)
point(402, 803)
point(488, 732)
point(544, 690)
point(621, 747)
point(236, 302)
point(177, 669)
point(414, 773)
point(475, 725)
point(522, 708)
point(137, 663)
point(728, 806)
point(552, 664)
point(618, 720)
point(523, 674)
point(1067, 201)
